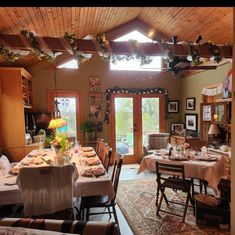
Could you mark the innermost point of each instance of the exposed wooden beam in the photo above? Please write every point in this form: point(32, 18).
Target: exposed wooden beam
point(89, 46)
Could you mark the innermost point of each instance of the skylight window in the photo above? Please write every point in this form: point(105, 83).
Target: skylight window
point(134, 64)
point(71, 64)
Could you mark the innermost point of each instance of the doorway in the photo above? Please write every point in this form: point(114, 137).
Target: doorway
point(70, 109)
point(132, 118)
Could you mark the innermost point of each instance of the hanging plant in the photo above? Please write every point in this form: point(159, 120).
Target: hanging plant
point(70, 38)
point(136, 91)
point(11, 56)
point(35, 46)
point(214, 49)
point(103, 44)
point(168, 56)
point(195, 56)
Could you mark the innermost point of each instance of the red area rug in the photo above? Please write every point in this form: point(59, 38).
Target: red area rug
point(136, 199)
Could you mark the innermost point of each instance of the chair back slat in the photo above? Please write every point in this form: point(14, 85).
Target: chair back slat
point(165, 168)
point(105, 153)
point(98, 145)
point(118, 158)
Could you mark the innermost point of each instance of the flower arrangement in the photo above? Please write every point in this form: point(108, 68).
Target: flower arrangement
point(61, 142)
point(186, 145)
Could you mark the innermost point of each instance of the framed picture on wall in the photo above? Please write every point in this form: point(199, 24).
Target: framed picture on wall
point(94, 83)
point(95, 98)
point(191, 122)
point(173, 106)
point(177, 128)
point(95, 112)
point(190, 103)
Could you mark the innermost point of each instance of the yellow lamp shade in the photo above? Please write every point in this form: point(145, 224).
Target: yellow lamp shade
point(56, 123)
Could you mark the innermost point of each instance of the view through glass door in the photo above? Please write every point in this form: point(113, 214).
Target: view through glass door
point(133, 117)
point(70, 108)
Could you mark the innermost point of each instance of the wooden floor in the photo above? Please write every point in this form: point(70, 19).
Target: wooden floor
point(128, 172)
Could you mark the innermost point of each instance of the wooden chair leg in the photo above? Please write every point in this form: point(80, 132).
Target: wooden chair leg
point(115, 214)
point(160, 203)
point(110, 216)
point(186, 206)
point(157, 195)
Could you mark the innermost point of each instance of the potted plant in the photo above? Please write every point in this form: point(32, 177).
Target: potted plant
point(88, 128)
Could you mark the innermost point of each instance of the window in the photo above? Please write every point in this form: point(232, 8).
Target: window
point(134, 64)
point(71, 64)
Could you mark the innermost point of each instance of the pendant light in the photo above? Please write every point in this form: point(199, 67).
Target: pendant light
point(56, 121)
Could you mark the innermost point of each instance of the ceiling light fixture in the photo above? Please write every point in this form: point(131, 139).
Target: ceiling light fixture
point(56, 121)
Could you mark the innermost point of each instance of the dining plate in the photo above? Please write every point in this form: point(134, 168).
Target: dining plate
point(87, 149)
point(89, 154)
point(94, 171)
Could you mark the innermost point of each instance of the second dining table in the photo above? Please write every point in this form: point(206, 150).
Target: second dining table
point(211, 171)
point(92, 179)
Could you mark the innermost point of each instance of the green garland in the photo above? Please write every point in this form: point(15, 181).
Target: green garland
point(70, 38)
point(107, 56)
point(35, 45)
point(136, 91)
point(11, 56)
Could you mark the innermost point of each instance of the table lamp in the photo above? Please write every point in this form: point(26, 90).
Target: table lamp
point(213, 131)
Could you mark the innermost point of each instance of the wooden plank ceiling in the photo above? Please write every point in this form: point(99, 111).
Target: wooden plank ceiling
point(213, 23)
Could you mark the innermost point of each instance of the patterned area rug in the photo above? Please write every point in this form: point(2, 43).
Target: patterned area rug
point(136, 199)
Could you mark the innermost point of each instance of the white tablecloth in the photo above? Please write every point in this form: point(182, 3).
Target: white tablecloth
point(212, 171)
point(83, 186)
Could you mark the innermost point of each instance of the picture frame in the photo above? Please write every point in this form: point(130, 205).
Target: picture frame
point(95, 112)
point(206, 112)
point(190, 103)
point(177, 128)
point(95, 98)
point(94, 84)
point(173, 106)
point(191, 120)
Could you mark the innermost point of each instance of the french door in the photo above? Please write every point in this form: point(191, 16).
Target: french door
point(132, 118)
point(70, 109)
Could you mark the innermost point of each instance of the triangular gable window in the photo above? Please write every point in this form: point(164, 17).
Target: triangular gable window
point(71, 64)
point(134, 64)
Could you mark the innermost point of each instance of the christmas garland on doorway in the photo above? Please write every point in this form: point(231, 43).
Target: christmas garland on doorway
point(117, 90)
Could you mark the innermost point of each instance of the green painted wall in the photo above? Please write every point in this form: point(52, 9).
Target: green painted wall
point(79, 80)
point(191, 86)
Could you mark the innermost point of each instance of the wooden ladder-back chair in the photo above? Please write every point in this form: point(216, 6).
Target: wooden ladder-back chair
point(105, 155)
point(47, 192)
point(98, 145)
point(179, 183)
point(102, 201)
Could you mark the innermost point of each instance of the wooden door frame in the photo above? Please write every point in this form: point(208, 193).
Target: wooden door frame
point(79, 109)
point(136, 119)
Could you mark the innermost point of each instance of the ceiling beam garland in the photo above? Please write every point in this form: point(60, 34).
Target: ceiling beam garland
point(125, 48)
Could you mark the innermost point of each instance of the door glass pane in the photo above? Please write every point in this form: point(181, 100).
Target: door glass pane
point(67, 107)
point(124, 125)
point(150, 117)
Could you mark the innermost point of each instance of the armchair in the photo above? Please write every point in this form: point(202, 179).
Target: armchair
point(156, 141)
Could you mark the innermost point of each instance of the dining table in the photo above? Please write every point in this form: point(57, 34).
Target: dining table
point(92, 178)
point(211, 170)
